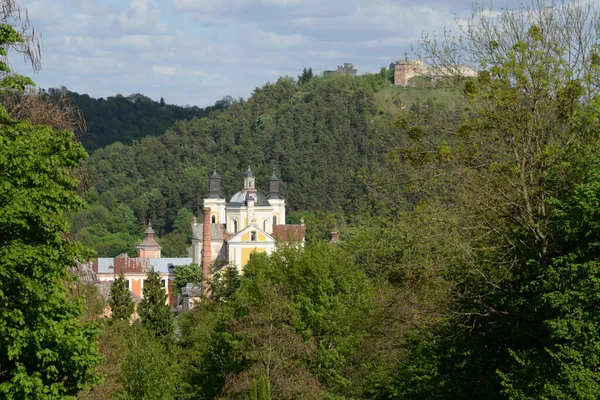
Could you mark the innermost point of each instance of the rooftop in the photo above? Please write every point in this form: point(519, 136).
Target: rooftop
point(137, 265)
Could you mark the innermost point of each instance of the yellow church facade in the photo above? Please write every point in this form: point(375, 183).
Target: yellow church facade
point(248, 223)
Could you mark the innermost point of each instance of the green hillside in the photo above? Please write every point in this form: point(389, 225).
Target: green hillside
point(127, 118)
point(317, 137)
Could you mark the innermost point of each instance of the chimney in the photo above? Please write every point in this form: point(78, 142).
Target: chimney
point(335, 237)
point(206, 252)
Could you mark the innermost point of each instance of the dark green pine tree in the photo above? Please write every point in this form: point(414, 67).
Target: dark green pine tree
point(307, 75)
point(120, 301)
point(155, 314)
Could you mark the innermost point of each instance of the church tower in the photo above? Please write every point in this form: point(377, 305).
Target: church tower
point(276, 201)
point(249, 222)
point(215, 201)
point(149, 248)
point(249, 180)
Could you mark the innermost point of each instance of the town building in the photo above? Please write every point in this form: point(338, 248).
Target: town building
point(232, 231)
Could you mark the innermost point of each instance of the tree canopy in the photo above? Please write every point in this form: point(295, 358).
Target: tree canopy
point(46, 349)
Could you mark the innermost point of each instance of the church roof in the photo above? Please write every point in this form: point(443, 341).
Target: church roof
point(241, 198)
point(149, 242)
point(289, 233)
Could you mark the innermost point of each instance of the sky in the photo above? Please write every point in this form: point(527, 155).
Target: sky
point(195, 52)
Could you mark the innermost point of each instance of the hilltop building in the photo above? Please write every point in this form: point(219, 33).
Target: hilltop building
point(232, 231)
point(344, 69)
point(404, 70)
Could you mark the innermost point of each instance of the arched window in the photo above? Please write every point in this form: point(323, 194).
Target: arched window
point(265, 225)
point(213, 219)
point(274, 220)
point(235, 225)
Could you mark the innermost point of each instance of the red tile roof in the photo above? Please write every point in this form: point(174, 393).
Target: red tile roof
point(289, 233)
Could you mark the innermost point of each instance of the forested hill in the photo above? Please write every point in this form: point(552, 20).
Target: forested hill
point(317, 136)
point(125, 119)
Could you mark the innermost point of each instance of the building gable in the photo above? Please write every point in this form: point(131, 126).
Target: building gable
point(251, 234)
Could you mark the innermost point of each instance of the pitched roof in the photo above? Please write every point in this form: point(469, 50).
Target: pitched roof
point(137, 264)
point(289, 233)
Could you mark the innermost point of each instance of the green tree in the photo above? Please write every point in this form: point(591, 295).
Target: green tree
point(155, 314)
point(148, 369)
point(46, 350)
point(120, 301)
point(225, 283)
point(185, 274)
point(508, 331)
point(307, 75)
point(263, 389)
point(183, 222)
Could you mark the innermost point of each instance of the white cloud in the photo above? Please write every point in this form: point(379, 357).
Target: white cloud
point(330, 54)
point(177, 72)
point(285, 40)
point(197, 51)
point(143, 16)
point(45, 12)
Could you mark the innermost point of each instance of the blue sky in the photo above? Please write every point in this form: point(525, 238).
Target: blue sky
point(197, 51)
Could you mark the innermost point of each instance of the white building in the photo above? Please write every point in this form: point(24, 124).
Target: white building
point(250, 222)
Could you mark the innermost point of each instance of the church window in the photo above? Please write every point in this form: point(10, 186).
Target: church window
point(253, 236)
point(213, 219)
point(235, 225)
point(162, 283)
point(265, 225)
point(127, 283)
point(274, 219)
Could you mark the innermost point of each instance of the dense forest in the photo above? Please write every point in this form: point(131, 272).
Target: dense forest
point(468, 261)
point(321, 137)
point(125, 119)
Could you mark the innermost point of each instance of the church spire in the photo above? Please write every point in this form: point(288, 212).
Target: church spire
point(274, 187)
point(215, 186)
point(249, 180)
point(149, 248)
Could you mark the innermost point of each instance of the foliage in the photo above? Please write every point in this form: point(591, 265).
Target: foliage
point(47, 350)
point(511, 172)
point(110, 120)
point(297, 317)
point(148, 369)
point(93, 301)
point(313, 136)
point(185, 274)
point(154, 313)
point(307, 75)
point(225, 283)
point(109, 231)
point(260, 390)
point(120, 302)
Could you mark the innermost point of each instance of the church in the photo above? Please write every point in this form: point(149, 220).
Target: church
point(230, 233)
point(248, 223)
